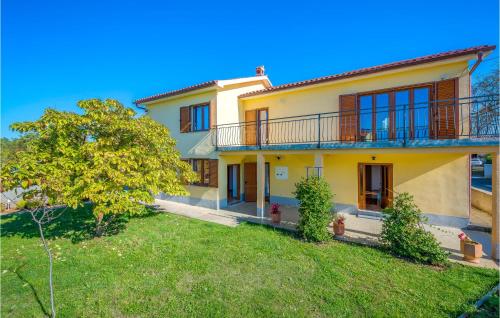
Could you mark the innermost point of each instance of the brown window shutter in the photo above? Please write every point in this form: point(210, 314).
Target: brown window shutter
point(348, 118)
point(213, 113)
point(185, 119)
point(444, 116)
point(214, 173)
point(251, 127)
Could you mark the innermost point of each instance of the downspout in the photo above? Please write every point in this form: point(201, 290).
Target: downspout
point(478, 61)
point(141, 107)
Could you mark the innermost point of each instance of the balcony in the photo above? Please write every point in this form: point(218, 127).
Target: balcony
point(470, 121)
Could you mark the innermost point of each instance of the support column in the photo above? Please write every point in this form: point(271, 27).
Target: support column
point(318, 162)
point(261, 183)
point(495, 209)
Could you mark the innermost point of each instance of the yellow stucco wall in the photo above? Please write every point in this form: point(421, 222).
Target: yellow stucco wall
point(325, 98)
point(438, 181)
point(191, 144)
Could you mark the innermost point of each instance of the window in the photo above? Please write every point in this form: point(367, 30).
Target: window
point(201, 117)
point(207, 170)
point(365, 117)
point(421, 112)
point(195, 118)
point(395, 114)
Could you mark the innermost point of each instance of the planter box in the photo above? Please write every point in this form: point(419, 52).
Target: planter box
point(276, 218)
point(338, 229)
point(472, 251)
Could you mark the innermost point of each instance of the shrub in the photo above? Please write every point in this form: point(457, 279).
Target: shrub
point(315, 205)
point(403, 233)
point(21, 204)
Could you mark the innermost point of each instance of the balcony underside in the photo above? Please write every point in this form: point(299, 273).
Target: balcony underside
point(427, 143)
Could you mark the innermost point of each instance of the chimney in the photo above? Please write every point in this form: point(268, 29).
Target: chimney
point(259, 71)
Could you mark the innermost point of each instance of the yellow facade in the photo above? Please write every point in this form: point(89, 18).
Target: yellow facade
point(438, 178)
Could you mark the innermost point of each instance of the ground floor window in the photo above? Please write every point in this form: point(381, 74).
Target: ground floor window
point(206, 169)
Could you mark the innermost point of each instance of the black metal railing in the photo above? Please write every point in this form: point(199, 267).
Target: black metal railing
point(471, 117)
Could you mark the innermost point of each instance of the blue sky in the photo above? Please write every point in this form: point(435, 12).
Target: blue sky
point(55, 53)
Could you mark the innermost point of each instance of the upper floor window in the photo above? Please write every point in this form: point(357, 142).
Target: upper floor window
point(201, 117)
point(197, 117)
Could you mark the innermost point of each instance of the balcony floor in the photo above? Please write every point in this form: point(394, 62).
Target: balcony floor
point(424, 143)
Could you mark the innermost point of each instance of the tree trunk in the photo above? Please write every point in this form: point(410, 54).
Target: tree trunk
point(98, 226)
point(51, 285)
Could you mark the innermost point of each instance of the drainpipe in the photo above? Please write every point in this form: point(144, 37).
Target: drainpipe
point(478, 61)
point(141, 107)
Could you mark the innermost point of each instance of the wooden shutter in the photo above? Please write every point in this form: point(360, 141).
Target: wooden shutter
point(213, 113)
point(348, 118)
point(251, 127)
point(444, 115)
point(185, 116)
point(213, 167)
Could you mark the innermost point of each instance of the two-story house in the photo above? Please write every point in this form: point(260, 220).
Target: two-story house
point(408, 126)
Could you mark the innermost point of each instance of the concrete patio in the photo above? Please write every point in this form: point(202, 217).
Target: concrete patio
point(362, 229)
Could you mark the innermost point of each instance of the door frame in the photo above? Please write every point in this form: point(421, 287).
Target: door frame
point(238, 182)
point(362, 182)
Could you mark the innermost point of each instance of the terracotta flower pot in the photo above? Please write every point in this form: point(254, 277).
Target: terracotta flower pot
point(462, 244)
point(472, 251)
point(276, 217)
point(338, 229)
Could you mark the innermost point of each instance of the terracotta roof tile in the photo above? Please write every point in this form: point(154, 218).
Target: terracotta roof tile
point(375, 69)
point(176, 92)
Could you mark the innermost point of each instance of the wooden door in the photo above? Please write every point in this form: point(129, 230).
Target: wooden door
point(361, 186)
point(251, 127)
point(250, 181)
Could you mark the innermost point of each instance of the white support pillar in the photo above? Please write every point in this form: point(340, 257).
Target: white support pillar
point(495, 209)
point(261, 183)
point(318, 162)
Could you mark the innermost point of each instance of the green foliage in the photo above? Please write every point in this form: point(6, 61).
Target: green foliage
point(315, 198)
point(10, 147)
point(403, 233)
point(488, 159)
point(21, 204)
point(106, 155)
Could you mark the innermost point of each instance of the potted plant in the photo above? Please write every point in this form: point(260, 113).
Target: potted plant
point(275, 213)
point(472, 250)
point(339, 225)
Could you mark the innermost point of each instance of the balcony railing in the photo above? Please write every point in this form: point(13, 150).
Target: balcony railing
point(464, 118)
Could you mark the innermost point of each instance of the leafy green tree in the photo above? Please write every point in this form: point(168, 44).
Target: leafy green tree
point(315, 205)
point(107, 156)
point(9, 148)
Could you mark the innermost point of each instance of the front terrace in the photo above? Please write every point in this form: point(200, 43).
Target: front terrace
point(373, 123)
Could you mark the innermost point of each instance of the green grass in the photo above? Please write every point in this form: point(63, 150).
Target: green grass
point(164, 265)
point(489, 309)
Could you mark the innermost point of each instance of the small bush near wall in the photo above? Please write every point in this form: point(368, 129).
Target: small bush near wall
point(403, 233)
point(315, 204)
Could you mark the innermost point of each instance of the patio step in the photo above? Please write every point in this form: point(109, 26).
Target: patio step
point(369, 214)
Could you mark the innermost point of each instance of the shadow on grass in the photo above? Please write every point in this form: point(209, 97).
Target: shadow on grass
point(32, 288)
point(76, 225)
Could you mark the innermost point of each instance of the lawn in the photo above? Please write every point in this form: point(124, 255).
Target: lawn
point(164, 265)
